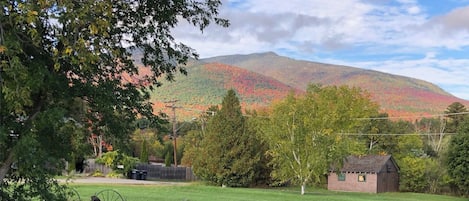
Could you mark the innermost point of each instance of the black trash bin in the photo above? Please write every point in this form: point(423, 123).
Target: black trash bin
point(144, 174)
point(141, 175)
point(132, 174)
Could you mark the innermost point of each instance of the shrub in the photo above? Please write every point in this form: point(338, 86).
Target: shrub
point(97, 173)
point(116, 160)
point(412, 174)
point(114, 174)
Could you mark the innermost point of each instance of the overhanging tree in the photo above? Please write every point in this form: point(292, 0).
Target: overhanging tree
point(54, 53)
point(305, 133)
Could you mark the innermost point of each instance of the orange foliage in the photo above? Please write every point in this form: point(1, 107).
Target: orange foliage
point(250, 85)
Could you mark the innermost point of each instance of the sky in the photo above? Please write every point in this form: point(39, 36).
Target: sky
point(423, 39)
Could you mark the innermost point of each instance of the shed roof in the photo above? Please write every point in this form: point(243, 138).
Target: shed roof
point(369, 163)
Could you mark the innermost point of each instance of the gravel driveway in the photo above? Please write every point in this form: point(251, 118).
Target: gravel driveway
point(103, 180)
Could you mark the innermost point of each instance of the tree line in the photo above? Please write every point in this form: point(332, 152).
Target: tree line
point(295, 140)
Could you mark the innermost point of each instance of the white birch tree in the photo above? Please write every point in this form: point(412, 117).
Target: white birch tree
point(306, 133)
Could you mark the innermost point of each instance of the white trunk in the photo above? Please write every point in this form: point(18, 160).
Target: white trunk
point(95, 150)
point(302, 189)
point(442, 134)
point(93, 143)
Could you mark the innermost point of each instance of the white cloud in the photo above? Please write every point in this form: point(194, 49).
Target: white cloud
point(444, 72)
point(326, 24)
point(393, 31)
point(413, 10)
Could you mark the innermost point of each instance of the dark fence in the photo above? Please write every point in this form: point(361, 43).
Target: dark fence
point(167, 173)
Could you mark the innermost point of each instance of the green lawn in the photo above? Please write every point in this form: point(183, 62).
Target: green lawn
point(201, 192)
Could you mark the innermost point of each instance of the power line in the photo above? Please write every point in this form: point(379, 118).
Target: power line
point(414, 116)
point(361, 118)
point(396, 134)
point(398, 117)
point(201, 111)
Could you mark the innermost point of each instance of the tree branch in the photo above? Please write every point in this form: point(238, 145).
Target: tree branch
point(6, 165)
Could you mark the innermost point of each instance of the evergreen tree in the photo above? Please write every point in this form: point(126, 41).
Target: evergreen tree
point(458, 158)
point(263, 169)
point(168, 159)
point(168, 153)
point(229, 155)
point(144, 152)
point(455, 118)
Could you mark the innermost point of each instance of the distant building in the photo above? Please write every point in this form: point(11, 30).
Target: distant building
point(371, 174)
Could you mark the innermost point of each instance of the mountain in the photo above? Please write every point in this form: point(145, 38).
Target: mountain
point(397, 95)
point(207, 83)
point(262, 78)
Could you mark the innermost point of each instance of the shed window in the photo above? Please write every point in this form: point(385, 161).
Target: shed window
point(341, 176)
point(361, 178)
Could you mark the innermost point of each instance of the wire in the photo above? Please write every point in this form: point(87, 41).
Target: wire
point(395, 134)
point(384, 118)
point(363, 118)
point(197, 110)
point(415, 116)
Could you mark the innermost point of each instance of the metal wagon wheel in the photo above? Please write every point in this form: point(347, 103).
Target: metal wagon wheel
point(72, 195)
point(109, 195)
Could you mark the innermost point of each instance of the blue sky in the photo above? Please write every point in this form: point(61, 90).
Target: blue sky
point(426, 39)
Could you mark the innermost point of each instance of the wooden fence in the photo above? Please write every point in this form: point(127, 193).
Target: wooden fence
point(91, 167)
point(167, 173)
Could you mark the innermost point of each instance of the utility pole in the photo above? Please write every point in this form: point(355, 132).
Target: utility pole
point(173, 107)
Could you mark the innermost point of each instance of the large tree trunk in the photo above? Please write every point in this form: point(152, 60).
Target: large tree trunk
point(6, 165)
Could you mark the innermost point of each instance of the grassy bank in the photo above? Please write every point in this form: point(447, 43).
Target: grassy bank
point(201, 192)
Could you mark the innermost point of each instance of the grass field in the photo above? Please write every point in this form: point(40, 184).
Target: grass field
point(201, 192)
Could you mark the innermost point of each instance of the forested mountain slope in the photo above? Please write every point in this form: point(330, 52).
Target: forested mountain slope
point(397, 95)
point(207, 84)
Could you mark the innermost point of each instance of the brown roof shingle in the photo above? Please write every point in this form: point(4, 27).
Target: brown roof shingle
point(370, 163)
